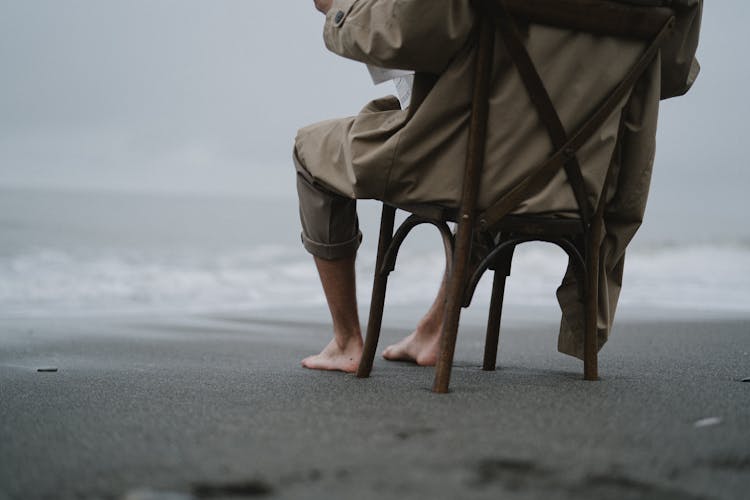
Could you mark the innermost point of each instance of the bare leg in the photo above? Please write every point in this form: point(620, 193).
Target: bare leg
point(339, 286)
point(423, 345)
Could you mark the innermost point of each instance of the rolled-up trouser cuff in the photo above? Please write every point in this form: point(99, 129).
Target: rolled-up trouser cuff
point(330, 228)
point(333, 251)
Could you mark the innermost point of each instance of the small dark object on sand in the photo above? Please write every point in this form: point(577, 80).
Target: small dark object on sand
point(745, 379)
point(49, 369)
point(246, 489)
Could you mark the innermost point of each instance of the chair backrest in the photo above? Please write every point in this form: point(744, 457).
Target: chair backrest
point(650, 21)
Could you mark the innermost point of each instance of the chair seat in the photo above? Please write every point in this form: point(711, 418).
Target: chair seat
point(431, 211)
point(532, 225)
point(536, 225)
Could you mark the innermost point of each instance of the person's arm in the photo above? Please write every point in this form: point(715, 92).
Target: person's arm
point(419, 35)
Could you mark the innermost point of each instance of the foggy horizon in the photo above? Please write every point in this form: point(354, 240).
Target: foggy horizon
point(194, 97)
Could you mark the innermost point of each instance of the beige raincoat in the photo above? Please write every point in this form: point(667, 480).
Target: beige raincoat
point(417, 155)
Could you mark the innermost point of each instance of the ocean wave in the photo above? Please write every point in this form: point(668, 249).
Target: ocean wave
point(275, 277)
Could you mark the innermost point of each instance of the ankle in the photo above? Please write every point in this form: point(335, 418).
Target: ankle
point(348, 340)
point(429, 326)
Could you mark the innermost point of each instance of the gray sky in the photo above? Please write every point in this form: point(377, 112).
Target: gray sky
point(188, 95)
point(164, 94)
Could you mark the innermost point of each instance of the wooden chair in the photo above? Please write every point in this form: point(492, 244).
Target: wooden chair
point(495, 227)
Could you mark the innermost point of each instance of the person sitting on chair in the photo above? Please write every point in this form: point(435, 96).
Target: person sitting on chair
point(416, 155)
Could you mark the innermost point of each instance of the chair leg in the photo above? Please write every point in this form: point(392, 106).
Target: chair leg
point(448, 338)
point(501, 272)
point(493, 322)
point(377, 302)
point(453, 304)
point(590, 343)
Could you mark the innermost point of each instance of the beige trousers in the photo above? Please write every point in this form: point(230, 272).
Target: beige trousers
point(330, 228)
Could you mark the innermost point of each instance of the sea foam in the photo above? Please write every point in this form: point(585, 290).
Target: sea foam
point(277, 277)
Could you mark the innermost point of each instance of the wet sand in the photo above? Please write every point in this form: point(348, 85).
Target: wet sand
point(218, 407)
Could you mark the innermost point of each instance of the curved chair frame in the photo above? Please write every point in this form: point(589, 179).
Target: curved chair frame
point(389, 260)
point(506, 248)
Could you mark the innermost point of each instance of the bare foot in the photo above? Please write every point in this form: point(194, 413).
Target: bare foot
point(421, 347)
point(336, 357)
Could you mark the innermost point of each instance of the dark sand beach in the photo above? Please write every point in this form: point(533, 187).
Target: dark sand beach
point(146, 183)
point(218, 407)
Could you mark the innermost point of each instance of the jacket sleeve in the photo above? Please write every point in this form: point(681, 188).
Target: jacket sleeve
point(419, 35)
